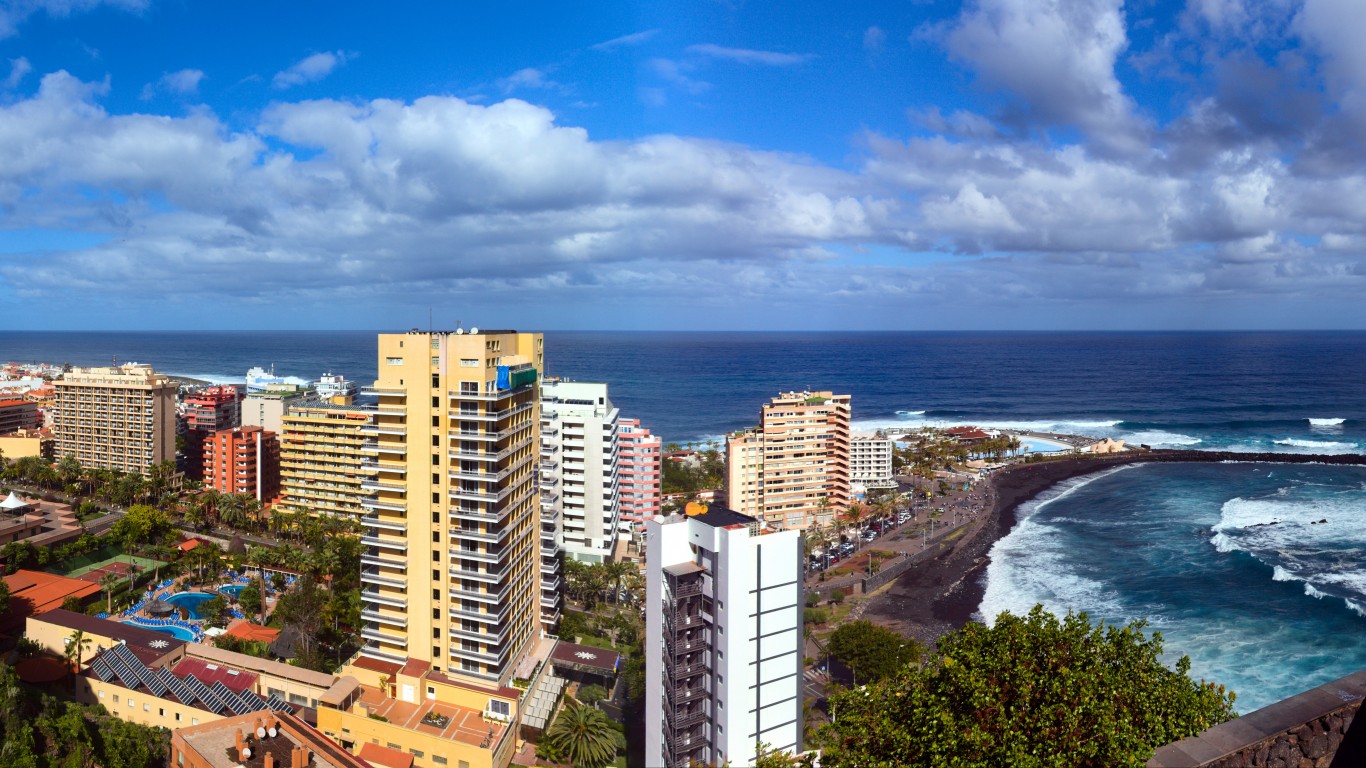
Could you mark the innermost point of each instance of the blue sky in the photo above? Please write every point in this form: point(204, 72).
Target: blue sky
point(899, 165)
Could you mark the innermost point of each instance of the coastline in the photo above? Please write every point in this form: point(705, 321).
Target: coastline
point(941, 595)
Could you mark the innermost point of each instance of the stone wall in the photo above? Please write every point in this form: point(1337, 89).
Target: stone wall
point(1309, 730)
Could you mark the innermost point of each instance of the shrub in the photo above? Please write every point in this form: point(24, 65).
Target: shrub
point(837, 596)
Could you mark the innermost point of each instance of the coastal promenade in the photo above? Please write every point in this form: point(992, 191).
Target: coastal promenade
point(943, 592)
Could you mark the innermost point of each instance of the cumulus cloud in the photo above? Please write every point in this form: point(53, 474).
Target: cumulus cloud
point(748, 56)
point(310, 69)
point(184, 82)
point(18, 68)
point(528, 77)
point(873, 39)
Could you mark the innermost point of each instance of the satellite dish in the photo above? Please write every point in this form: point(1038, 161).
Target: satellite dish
point(272, 732)
point(474, 330)
point(459, 331)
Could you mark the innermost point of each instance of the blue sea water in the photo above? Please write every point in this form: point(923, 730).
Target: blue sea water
point(1267, 609)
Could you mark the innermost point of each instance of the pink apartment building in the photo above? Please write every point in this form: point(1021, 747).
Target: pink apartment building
point(638, 472)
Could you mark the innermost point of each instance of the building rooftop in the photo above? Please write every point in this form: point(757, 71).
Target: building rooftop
point(143, 642)
point(463, 724)
point(721, 517)
point(211, 743)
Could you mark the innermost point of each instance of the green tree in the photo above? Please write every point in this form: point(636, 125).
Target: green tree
point(76, 646)
point(250, 600)
point(592, 694)
point(584, 737)
point(872, 652)
point(1030, 691)
point(4, 596)
point(212, 610)
point(108, 581)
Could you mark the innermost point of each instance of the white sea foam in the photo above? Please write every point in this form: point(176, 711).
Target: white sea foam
point(1028, 565)
point(910, 413)
point(1326, 422)
point(1160, 439)
point(213, 378)
point(1318, 446)
point(915, 420)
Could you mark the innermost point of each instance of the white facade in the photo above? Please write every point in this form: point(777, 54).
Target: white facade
point(580, 454)
point(723, 640)
point(870, 461)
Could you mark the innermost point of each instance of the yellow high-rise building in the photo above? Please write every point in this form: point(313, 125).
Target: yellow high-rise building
point(116, 418)
point(793, 470)
point(322, 467)
point(451, 569)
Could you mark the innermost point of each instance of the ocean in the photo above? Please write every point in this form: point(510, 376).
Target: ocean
point(1256, 571)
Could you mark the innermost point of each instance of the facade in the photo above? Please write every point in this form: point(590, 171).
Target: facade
point(243, 460)
point(116, 418)
point(205, 412)
point(870, 461)
point(18, 415)
point(275, 739)
point(793, 471)
point(267, 409)
point(321, 461)
point(640, 472)
point(29, 442)
point(723, 639)
point(451, 566)
point(579, 445)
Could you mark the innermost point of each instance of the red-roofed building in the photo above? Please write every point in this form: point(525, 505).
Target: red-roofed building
point(35, 592)
point(966, 434)
point(383, 757)
point(18, 414)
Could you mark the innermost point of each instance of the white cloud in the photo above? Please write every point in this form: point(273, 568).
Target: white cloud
point(528, 77)
point(873, 39)
point(626, 41)
point(311, 69)
point(15, 12)
point(747, 56)
point(18, 68)
point(183, 82)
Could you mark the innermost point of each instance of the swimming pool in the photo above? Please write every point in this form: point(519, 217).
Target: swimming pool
point(232, 590)
point(190, 601)
point(1036, 445)
point(179, 633)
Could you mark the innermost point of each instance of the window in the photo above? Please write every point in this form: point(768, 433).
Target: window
point(436, 421)
point(436, 479)
point(436, 633)
point(415, 752)
point(393, 361)
point(436, 594)
point(466, 362)
point(436, 575)
point(436, 557)
point(435, 361)
point(116, 698)
point(194, 721)
point(161, 711)
point(436, 439)
point(436, 377)
point(436, 401)
point(101, 694)
point(177, 717)
point(500, 708)
point(436, 497)
point(436, 537)
point(438, 759)
point(146, 707)
point(436, 460)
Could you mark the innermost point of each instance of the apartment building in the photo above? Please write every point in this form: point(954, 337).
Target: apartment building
point(793, 470)
point(322, 465)
point(452, 561)
point(267, 409)
point(580, 450)
point(639, 472)
point(870, 461)
point(203, 413)
point(243, 460)
point(16, 415)
point(723, 639)
point(116, 418)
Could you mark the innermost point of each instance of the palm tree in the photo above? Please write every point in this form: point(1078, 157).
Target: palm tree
point(133, 570)
point(855, 515)
point(108, 581)
point(158, 553)
point(260, 557)
point(616, 571)
point(584, 736)
point(76, 647)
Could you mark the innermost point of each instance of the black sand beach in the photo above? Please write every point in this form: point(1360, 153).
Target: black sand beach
point(942, 594)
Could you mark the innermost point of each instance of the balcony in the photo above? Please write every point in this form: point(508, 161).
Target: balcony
point(494, 597)
point(495, 396)
point(386, 523)
point(487, 637)
point(373, 577)
point(398, 449)
point(375, 466)
point(497, 617)
point(486, 577)
point(374, 633)
point(461, 415)
point(392, 505)
point(373, 596)
point(488, 497)
point(384, 618)
point(387, 562)
point(378, 485)
point(383, 429)
point(460, 553)
point(397, 545)
point(478, 454)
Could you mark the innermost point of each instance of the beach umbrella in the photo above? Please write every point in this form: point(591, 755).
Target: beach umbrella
point(159, 607)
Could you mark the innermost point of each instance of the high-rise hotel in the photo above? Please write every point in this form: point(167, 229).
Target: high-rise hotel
point(116, 418)
point(451, 566)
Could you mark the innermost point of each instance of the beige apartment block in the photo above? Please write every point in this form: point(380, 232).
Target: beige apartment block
point(451, 566)
point(116, 418)
point(322, 464)
point(792, 471)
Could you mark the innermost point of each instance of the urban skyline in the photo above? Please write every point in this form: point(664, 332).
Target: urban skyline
point(979, 165)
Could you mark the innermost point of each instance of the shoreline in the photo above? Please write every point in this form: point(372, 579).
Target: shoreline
point(943, 594)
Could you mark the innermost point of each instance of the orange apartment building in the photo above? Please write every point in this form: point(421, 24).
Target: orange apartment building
point(793, 470)
point(210, 410)
point(18, 414)
point(243, 460)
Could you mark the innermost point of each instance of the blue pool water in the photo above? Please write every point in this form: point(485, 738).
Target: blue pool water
point(232, 590)
point(1041, 446)
point(190, 601)
point(180, 633)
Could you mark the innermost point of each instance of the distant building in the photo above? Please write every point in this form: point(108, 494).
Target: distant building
point(243, 460)
point(116, 418)
point(321, 461)
point(723, 639)
point(870, 461)
point(205, 412)
point(16, 415)
point(639, 472)
point(792, 471)
point(29, 442)
point(265, 738)
point(580, 455)
point(267, 409)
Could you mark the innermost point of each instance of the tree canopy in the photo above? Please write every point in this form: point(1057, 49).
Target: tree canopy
point(1028, 691)
point(872, 652)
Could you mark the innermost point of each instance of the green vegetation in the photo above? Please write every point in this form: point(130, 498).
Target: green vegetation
point(872, 652)
point(45, 732)
point(1030, 691)
point(250, 599)
point(706, 471)
point(581, 736)
point(591, 694)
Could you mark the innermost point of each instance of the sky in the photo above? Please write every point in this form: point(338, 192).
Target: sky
point(683, 164)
